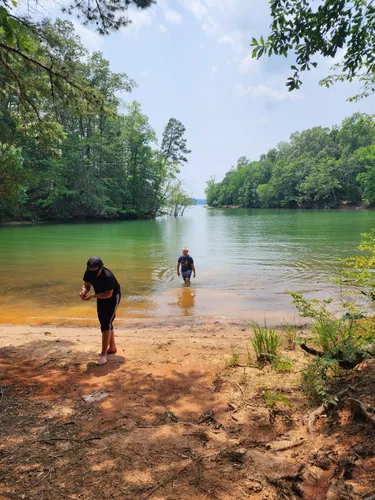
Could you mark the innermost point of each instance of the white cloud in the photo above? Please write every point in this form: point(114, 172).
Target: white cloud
point(210, 27)
point(172, 16)
point(196, 8)
point(268, 93)
point(140, 19)
point(249, 65)
point(91, 40)
point(233, 41)
point(227, 20)
point(162, 28)
point(214, 69)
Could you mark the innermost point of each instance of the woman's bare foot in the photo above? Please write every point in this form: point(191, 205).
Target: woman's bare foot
point(111, 351)
point(102, 359)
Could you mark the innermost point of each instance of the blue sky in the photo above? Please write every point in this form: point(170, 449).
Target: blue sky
point(191, 60)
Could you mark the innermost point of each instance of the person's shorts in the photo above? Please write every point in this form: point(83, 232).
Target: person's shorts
point(187, 275)
point(107, 311)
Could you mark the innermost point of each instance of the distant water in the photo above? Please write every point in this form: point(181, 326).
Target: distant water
point(246, 260)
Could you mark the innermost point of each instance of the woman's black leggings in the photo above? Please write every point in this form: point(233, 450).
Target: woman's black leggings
point(107, 311)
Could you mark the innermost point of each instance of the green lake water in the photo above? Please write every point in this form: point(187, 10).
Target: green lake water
point(246, 260)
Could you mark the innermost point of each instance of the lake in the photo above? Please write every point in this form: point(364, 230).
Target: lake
point(246, 261)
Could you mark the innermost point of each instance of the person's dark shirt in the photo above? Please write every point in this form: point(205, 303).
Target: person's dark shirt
point(186, 263)
point(104, 282)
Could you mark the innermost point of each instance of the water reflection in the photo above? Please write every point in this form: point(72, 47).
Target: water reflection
point(186, 299)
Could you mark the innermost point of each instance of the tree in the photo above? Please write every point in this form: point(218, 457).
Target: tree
point(317, 168)
point(366, 179)
point(174, 143)
point(306, 30)
point(28, 45)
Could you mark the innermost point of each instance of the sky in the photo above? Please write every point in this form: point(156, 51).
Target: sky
point(192, 61)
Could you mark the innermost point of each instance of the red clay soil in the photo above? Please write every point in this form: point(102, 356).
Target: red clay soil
point(179, 421)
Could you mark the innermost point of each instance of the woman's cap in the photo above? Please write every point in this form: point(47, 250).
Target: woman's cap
point(95, 261)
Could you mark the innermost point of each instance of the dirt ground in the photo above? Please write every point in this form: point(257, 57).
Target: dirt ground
point(178, 421)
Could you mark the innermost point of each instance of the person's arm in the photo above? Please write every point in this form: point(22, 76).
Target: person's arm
point(193, 268)
point(107, 294)
point(85, 289)
point(178, 268)
point(103, 295)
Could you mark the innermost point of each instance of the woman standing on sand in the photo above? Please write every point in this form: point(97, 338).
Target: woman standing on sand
point(108, 295)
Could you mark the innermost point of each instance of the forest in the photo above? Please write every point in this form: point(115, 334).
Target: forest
point(318, 168)
point(70, 148)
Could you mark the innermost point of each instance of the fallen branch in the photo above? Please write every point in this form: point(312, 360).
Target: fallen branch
point(357, 407)
point(286, 447)
point(312, 351)
point(343, 363)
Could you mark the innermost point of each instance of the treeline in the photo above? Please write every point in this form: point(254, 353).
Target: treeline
point(317, 168)
point(66, 149)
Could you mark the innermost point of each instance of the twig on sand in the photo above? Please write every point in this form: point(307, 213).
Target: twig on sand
point(240, 388)
point(69, 439)
point(46, 362)
point(40, 480)
point(167, 481)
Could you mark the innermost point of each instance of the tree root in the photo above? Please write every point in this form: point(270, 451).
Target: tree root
point(343, 363)
point(358, 409)
point(312, 416)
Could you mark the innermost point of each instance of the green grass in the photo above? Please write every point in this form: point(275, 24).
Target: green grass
point(233, 361)
point(290, 336)
point(273, 398)
point(282, 365)
point(266, 343)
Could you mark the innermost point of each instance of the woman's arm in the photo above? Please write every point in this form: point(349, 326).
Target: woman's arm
point(104, 295)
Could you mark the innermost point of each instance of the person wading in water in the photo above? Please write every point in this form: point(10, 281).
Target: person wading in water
point(108, 295)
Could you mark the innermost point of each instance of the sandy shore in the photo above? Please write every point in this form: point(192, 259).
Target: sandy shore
point(179, 419)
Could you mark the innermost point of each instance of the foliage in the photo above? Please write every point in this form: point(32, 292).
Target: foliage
point(174, 143)
point(358, 274)
point(266, 343)
point(281, 364)
point(272, 399)
point(317, 168)
point(344, 342)
point(317, 380)
point(36, 62)
point(233, 361)
point(82, 159)
point(308, 30)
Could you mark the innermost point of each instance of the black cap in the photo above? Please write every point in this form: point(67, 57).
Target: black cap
point(95, 261)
